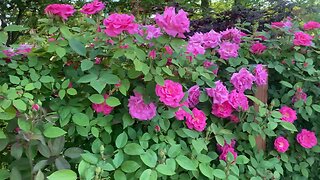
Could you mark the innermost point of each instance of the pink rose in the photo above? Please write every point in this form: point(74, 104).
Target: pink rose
point(223, 110)
point(238, 100)
point(181, 113)
point(172, 23)
point(193, 97)
point(281, 144)
point(219, 93)
point(103, 107)
point(97, 60)
point(234, 118)
point(139, 109)
point(93, 7)
point(170, 94)
point(117, 23)
point(168, 50)
point(311, 25)
point(226, 145)
point(288, 114)
point(197, 121)
point(258, 48)
point(225, 152)
point(242, 80)
point(153, 54)
point(153, 32)
point(35, 107)
point(228, 50)
point(197, 38)
point(211, 39)
point(9, 52)
point(282, 24)
point(195, 49)
point(299, 95)
point(233, 35)
point(24, 49)
point(302, 39)
point(63, 11)
point(261, 75)
point(307, 139)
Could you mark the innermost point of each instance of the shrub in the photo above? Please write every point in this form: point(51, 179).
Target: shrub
point(109, 98)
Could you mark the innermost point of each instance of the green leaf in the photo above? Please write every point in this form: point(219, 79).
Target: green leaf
point(61, 51)
point(53, 132)
point(46, 79)
point(78, 47)
point(129, 166)
point(198, 145)
point(98, 85)
point(242, 159)
point(15, 28)
point(3, 39)
point(72, 91)
point(316, 107)
point(133, 149)
point(96, 98)
point(65, 174)
point(252, 141)
point(186, 163)
point(206, 170)
point(167, 71)
point(19, 104)
point(29, 87)
point(4, 174)
point(24, 125)
point(14, 79)
point(65, 32)
point(219, 173)
point(86, 65)
point(2, 135)
point(148, 174)
point(149, 158)
point(80, 119)
point(88, 78)
point(62, 93)
point(113, 101)
point(109, 78)
point(121, 140)
point(119, 175)
point(289, 126)
point(159, 80)
point(165, 169)
point(287, 84)
point(16, 150)
point(299, 57)
point(90, 158)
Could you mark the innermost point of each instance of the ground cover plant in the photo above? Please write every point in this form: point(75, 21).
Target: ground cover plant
point(107, 97)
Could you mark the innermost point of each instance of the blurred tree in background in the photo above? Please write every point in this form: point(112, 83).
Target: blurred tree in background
point(205, 14)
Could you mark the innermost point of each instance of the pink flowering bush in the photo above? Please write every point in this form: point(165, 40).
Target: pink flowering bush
point(106, 96)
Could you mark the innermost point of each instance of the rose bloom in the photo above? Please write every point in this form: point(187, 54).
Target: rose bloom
point(282, 24)
point(233, 35)
point(225, 152)
point(281, 144)
point(211, 39)
point(302, 39)
point(168, 50)
point(117, 23)
point(197, 121)
point(153, 32)
point(195, 49)
point(153, 54)
point(140, 110)
point(261, 75)
point(299, 95)
point(219, 93)
point(238, 100)
point(226, 145)
point(170, 94)
point(197, 38)
point(228, 50)
point(63, 11)
point(24, 49)
point(223, 110)
point(258, 48)
point(93, 7)
point(242, 80)
point(288, 114)
point(181, 113)
point(35, 107)
point(103, 107)
point(234, 118)
point(193, 97)
point(307, 139)
point(172, 23)
point(9, 52)
point(311, 25)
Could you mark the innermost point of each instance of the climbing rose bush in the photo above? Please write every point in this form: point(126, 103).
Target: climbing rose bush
point(92, 95)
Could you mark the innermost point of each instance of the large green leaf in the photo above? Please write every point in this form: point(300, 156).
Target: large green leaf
point(65, 174)
point(80, 119)
point(53, 132)
point(78, 47)
point(15, 28)
point(186, 163)
point(133, 149)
